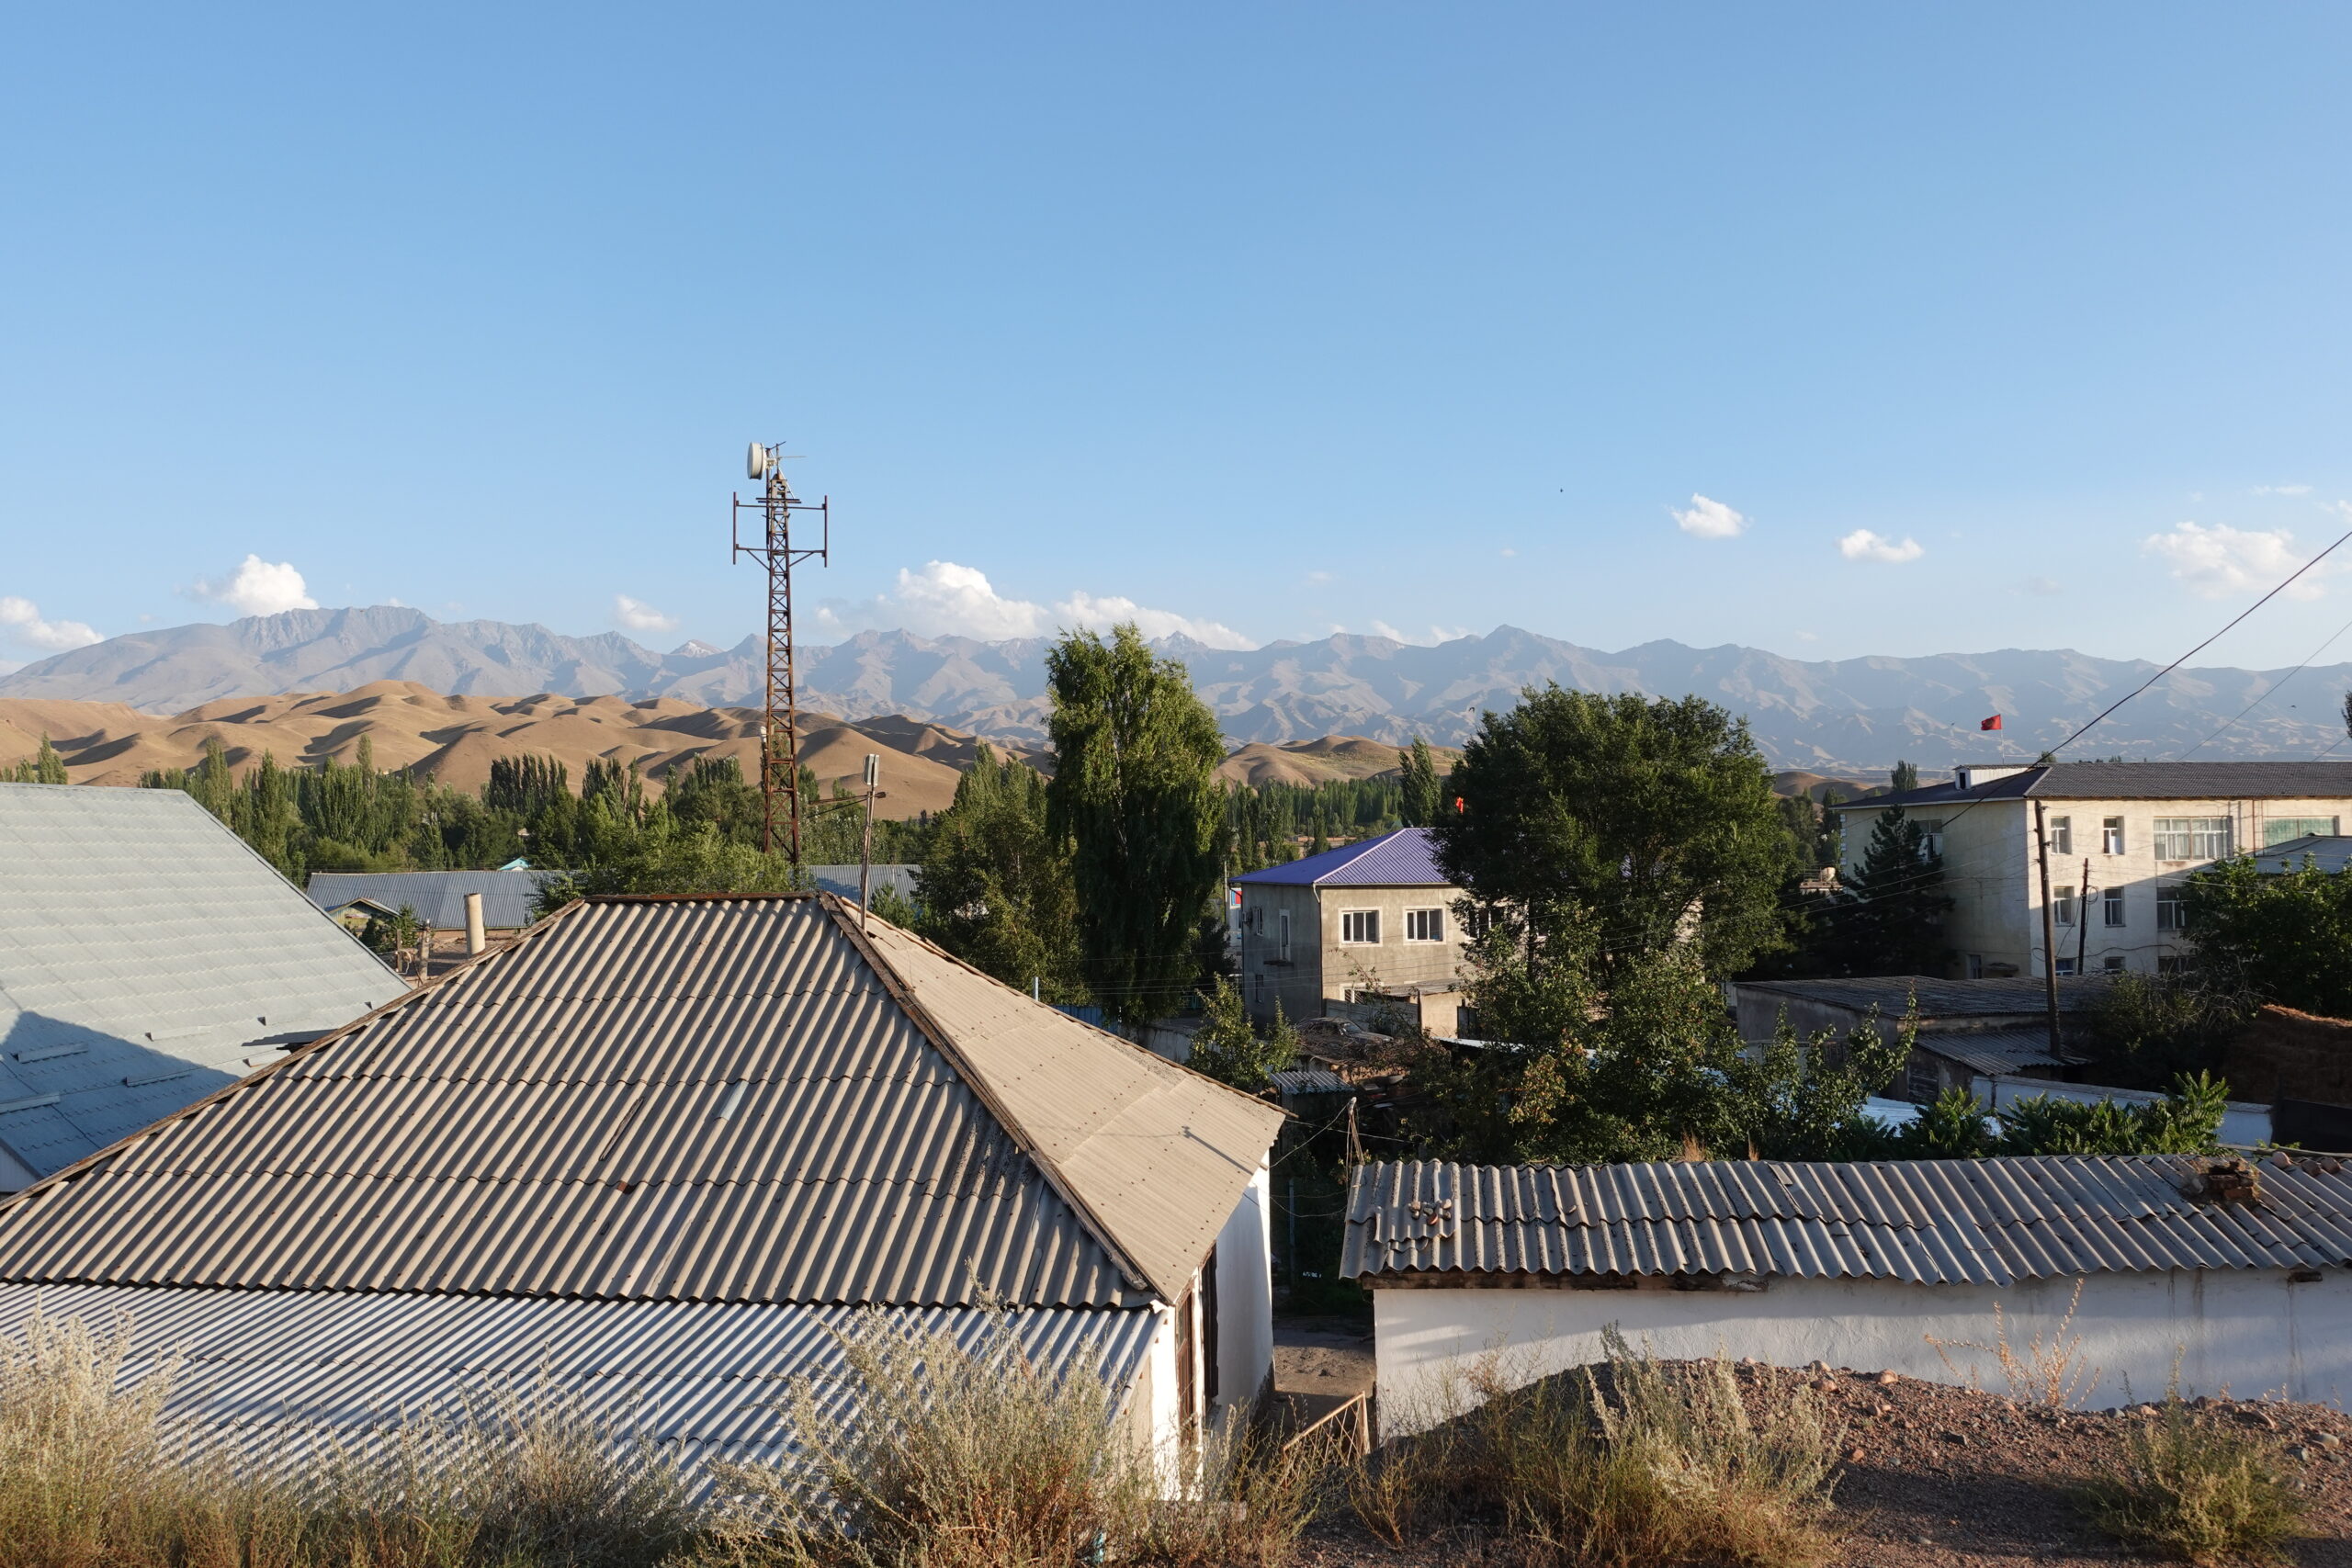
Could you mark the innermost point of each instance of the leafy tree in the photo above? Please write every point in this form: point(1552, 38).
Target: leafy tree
point(1886, 916)
point(670, 859)
point(2287, 937)
point(1417, 785)
point(1229, 1049)
point(2148, 1029)
point(2188, 1120)
point(996, 886)
point(1904, 776)
point(390, 935)
point(1135, 794)
point(712, 790)
point(44, 766)
point(1649, 820)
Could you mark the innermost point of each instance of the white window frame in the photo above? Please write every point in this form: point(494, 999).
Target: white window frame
point(1931, 839)
point(2113, 964)
point(2062, 835)
point(2171, 916)
point(2061, 907)
point(2066, 967)
point(2110, 836)
point(1357, 919)
point(2192, 837)
point(1431, 917)
point(2111, 912)
point(2304, 824)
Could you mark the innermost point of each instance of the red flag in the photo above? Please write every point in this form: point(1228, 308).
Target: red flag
point(1992, 723)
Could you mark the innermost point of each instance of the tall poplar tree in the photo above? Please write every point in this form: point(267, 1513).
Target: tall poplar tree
point(1419, 790)
point(995, 887)
point(1134, 791)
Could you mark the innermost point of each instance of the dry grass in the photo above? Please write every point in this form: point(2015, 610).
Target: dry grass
point(2195, 1491)
point(2049, 1371)
point(1638, 1464)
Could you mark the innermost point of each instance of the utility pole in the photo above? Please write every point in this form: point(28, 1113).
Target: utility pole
point(2049, 926)
point(865, 839)
point(779, 728)
point(2083, 918)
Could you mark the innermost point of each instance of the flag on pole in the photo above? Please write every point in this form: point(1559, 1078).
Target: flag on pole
point(1992, 723)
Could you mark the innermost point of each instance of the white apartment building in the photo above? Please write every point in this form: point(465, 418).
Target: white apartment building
point(1371, 919)
point(2122, 837)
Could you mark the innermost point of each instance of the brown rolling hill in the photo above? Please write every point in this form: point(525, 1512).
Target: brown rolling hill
point(456, 738)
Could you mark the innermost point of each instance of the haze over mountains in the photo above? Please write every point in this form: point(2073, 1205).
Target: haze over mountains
point(1850, 714)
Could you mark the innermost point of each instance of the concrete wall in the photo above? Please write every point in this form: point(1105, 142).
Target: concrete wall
point(1322, 966)
point(1244, 1301)
point(2288, 1055)
point(1266, 978)
point(2248, 1331)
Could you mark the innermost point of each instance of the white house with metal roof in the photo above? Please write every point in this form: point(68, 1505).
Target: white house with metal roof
point(1371, 919)
point(2121, 837)
point(668, 1145)
point(2224, 1274)
point(147, 958)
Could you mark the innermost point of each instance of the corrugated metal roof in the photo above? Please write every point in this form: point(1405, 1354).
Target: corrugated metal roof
point(437, 897)
point(701, 1377)
point(2135, 781)
point(1995, 1050)
point(1930, 1221)
point(1892, 994)
point(842, 880)
point(1307, 1080)
point(698, 1099)
point(1406, 858)
point(2331, 853)
point(148, 958)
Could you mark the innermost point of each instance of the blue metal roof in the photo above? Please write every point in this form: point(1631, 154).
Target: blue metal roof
point(1407, 858)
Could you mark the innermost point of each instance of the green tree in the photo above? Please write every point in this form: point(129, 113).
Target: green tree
point(1135, 794)
point(1417, 781)
point(1651, 821)
point(1904, 776)
point(2187, 1121)
point(1887, 915)
point(712, 790)
point(1227, 1049)
point(996, 887)
point(44, 766)
point(2286, 937)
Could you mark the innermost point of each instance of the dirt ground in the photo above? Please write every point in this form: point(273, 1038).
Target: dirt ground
point(1320, 1363)
point(1940, 1477)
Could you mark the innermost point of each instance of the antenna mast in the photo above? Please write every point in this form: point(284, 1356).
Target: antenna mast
point(780, 726)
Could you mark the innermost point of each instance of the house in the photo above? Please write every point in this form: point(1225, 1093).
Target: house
point(1966, 1028)
point(438, 897)
point(667, 1145)
point(147, 958)
point(1370, 921)
point(2223, 1275)
point(2130, 832)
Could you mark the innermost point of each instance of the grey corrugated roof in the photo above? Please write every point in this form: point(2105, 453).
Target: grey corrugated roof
point(842, 880)
point(702, 1378)
point(437, 897)
point(1996, 1050)
point(2330, 853)
point(1892, 994)
point(706, 1100)
point(2135, 781)
point(147, 958)
point(1930, 1221)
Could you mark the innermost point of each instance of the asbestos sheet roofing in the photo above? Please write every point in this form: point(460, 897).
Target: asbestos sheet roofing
point(702, 1378)
point(147, 958)
point(1927, 1222)
point(437, 897)
point(736, 1099)
point(1407, 858)
point(1893, 995)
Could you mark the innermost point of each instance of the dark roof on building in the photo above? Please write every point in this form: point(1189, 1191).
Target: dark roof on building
point(2133, 781)
point(739, 1100)
point(2329, 851)
point(1406, 858)
point(437, 897)
point(1989, 1221)
point(1892, 994)
point(147, 958)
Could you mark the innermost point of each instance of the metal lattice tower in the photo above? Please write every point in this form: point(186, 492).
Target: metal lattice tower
point(779, 726)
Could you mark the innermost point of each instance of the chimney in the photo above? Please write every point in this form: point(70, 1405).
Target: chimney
point(476, 939)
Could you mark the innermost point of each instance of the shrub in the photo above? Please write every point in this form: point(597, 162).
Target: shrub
point(2194, 1491)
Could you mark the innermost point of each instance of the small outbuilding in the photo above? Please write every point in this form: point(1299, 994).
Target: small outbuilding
point(438, 898)
point(2221, 1273)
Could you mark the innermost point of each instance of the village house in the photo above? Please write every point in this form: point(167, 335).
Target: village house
point(2220, 1274)
point(1369, 924)
point(665, 1148)
point(2121, 838)
point(147, 958)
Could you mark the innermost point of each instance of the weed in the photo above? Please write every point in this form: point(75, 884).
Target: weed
point(2050, 1373)
point(2190, 1489)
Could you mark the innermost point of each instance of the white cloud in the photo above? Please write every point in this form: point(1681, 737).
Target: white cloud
point(1435, 635)
point(2282, 489)
point(1808, 637)
point(2040, 587)
point(258, 588)
point(1317, 579)
point(23, 620)
point(946, 599)
point(2219, 561)
point(1864, 544)
point(639, 616)
point(1710, 520)
point(1508, 552)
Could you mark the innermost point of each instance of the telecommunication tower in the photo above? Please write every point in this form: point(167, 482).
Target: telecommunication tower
point(779, 726)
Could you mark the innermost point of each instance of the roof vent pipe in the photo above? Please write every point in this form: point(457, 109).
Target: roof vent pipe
point(476, 938)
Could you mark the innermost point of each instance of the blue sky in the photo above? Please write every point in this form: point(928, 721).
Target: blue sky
point(1974, 327)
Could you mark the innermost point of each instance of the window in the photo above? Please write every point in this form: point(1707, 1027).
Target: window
point(1931, 838)
point(2110, 836)
point(1359, 925)
point(2112, 964)
point(1976, 967)
point(2192, 837)
point(1282, 936)
point(2062, 906)
point(2066, 966)
point(2170, 915)
point(2279, 830)
point(2111, 901)
point(2062, 835)
point(1425, 925)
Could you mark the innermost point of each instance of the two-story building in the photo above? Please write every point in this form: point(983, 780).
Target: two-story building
point(1371, 919)
point(2122, 837)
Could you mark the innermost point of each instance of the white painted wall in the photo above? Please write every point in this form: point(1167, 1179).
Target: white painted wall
point(1153, 1412)
point(2245, 1330)
point(1244, 1301)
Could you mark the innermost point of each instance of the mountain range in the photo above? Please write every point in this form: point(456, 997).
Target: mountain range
point(1855, 715)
